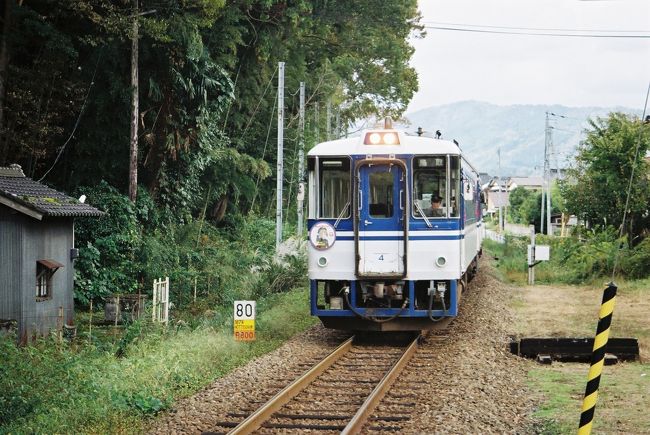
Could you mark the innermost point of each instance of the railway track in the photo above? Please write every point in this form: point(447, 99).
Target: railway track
point(339, 394)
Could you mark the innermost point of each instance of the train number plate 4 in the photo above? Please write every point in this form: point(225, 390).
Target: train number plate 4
point(381, 262)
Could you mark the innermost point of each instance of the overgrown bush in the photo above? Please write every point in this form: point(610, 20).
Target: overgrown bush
point(637, 263)
point(108, 246)
point(586, 256)
point(131, 245)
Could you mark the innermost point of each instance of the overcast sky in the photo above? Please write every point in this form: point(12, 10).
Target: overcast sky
point(512, 69)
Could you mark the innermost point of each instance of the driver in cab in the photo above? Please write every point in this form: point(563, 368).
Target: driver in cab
point(436, 209)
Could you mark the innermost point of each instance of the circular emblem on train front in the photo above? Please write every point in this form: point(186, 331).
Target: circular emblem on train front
point(322, 236)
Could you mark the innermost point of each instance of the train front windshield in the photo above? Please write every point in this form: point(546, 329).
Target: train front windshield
point(435, 186)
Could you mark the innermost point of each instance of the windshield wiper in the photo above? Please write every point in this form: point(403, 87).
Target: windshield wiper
point(345, 208)
point(417, 205)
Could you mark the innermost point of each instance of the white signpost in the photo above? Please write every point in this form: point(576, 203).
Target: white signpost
point(244, 320)
point(536, 254)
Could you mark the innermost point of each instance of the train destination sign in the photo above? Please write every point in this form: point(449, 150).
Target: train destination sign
point(244, 320)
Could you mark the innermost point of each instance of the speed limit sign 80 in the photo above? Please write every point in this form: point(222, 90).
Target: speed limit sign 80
point(244, 320)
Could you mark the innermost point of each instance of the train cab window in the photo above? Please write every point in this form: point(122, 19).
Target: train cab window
point(335, 187)
point(380, 201)
point(430, 186)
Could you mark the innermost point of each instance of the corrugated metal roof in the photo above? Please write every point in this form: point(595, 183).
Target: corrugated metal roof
point(26, 192)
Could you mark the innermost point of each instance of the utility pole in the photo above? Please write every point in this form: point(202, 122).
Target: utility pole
point(502, 223)
point(301, 159)
point(543, 205)
point(531, 256)
point(338, 123)
point(549, 152)
point(135, 110)
point(316, 122)
point(328, 129)
point(280, 167)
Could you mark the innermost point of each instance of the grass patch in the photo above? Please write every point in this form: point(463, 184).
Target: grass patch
point(562, 310)
point(554, 416)
point(60, 388)
point(622, 403)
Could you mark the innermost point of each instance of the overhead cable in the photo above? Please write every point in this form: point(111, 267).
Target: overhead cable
point(565, 35)
point(534, 29)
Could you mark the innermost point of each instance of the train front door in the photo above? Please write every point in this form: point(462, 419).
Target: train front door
point(381, 213)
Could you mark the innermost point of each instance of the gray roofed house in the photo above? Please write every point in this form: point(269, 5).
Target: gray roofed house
point(36, 254)
point(530, 183)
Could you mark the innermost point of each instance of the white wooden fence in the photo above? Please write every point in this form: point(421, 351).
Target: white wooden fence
point(160, 312)
point(497, 237)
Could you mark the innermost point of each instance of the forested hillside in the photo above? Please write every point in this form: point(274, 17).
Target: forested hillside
point(207, 111)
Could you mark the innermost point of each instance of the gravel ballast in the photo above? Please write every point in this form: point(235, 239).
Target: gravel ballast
point(465, 381)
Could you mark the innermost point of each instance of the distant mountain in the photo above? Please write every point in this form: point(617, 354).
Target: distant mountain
point(518, 130)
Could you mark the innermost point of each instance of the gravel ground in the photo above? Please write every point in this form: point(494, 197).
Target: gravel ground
point(250, 386)
point(464, 381)
point(469, 382)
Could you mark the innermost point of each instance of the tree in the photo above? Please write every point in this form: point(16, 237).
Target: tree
point(206, 79)
point(606, 166)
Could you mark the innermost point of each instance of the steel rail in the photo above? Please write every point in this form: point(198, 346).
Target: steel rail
point(369, 405)
point(256, 419)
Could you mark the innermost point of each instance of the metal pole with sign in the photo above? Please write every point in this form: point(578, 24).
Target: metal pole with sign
point(244, 320)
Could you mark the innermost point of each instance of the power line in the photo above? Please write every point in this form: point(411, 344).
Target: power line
point(259, 176)
point(76, 124)
point(259, 102)
point(535, 29)
point(505, 32)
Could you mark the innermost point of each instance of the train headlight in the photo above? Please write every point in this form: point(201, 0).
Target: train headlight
point(322, 261)
point(390, 138)
point(381, 138)
point(441, 261)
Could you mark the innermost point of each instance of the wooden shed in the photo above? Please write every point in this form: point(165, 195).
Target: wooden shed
point(36, 253)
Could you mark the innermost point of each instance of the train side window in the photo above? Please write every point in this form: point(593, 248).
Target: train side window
point(312, 188)
point(380, 202)
point(454, 182)
point(429, 182)
point(335, 188)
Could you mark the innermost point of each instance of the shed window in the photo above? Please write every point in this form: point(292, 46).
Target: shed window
point(45, 269)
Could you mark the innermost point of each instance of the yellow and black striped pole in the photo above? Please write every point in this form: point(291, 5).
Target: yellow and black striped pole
point(597, 359)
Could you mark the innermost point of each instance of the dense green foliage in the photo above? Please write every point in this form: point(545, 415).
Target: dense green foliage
point(131, 245)
point(207, 73)
point(607, 166)
point(524, 207)
point(588, 256)
point(207, 96)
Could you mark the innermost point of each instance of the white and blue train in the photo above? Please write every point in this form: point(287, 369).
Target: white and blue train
point(395, 230)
